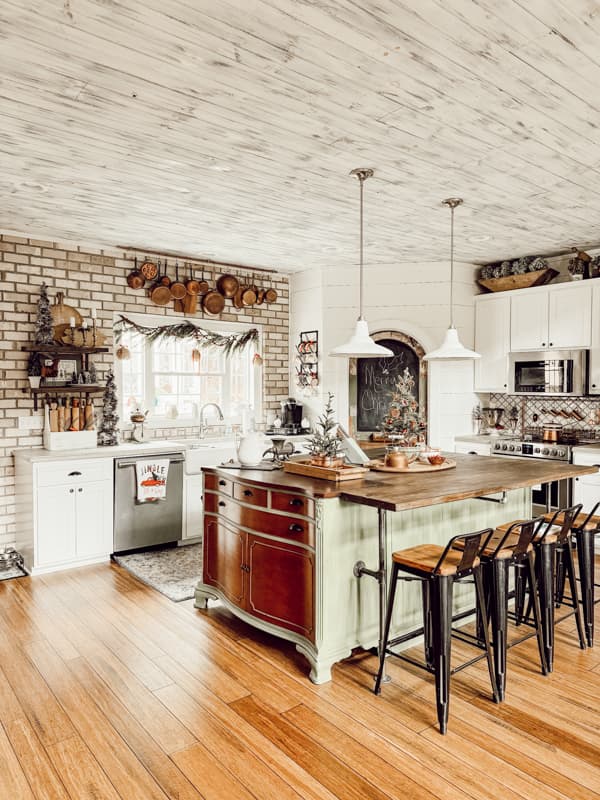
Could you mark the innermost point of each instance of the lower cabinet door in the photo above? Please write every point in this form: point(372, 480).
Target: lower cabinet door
point(192, 493)
point(56, 529)
point(94, 518)
point(224, 558)
point(281, 584)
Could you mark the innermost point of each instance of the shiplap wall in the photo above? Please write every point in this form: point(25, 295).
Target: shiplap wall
point(92, 277)
point(411, 298)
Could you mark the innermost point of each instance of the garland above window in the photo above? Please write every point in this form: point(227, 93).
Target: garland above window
point(231, 342)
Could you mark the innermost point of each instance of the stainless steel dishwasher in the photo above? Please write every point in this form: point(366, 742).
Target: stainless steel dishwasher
point(138, 525)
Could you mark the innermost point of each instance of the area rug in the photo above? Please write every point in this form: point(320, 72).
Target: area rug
point(173, 571)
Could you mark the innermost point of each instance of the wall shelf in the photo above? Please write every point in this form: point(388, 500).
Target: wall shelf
point(58, 352)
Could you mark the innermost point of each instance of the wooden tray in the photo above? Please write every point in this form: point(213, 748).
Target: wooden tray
point(416, 466)
point(537, 278)
point(347, 472)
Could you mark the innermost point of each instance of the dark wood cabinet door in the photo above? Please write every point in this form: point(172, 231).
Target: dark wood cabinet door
point(281, 584)
point(224, 558)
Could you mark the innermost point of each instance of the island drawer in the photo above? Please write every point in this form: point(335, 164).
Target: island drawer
point(294, 529)
point(250, 494)
point(217, 483)
point(293, 503)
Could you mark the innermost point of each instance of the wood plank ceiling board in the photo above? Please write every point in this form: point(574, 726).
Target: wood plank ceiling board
point(226, 130)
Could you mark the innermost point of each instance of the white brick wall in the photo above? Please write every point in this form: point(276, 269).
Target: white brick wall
point(90, 278)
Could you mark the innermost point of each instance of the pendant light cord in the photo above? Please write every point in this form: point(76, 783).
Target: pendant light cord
point(361, 180)
point(452, 202)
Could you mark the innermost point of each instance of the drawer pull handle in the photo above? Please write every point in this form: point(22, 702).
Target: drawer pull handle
point(295, 528)
point(72, 474)
point(296, 502)
point(222, 503)
point(248, 493)
point(222, 483)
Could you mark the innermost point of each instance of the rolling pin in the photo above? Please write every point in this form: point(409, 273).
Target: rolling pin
point(74, 414)
point(89, 415)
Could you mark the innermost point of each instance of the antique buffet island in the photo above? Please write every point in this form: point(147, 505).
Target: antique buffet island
point(306, 559)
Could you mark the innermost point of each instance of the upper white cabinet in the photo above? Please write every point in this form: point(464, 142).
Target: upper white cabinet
point(594, 371)
point(557, 318)
point(492, 342)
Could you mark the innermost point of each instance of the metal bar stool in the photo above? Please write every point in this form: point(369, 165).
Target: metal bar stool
point(552, 547)
point(584, 529)
point(438, 568)
point(511, 545)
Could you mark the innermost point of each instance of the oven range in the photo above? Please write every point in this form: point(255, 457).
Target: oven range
point(545, 497)
point(515, 447)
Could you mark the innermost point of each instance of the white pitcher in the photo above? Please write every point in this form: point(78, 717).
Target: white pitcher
point(251, 449)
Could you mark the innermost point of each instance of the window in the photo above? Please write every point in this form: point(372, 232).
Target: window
point(164, 377)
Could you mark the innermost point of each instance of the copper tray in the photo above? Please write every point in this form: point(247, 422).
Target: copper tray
point(416, 466)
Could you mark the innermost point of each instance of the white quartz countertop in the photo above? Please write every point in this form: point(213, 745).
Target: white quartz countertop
point(128, 449)
point(484, 438)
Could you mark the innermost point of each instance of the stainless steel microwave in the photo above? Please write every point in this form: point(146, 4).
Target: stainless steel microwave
point(549, 372)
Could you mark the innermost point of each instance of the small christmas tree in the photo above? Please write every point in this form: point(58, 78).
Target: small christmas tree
point(43, 324)
point(324, 443)
point(107, 433)
point(403, 421)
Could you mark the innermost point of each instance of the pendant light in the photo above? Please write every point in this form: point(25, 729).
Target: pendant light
point(360, 344)
point(451, 346)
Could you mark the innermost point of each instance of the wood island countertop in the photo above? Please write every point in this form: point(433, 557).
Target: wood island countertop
point(474, 476)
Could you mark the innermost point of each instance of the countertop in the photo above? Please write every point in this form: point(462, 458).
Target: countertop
point(34, 455)
point(472, 477)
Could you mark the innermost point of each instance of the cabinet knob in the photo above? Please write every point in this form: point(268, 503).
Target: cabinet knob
point(295, 528)
point(543, 344)
point(72, 474)
point(248, 492)
point(222, 503)
point(80, 489)
point(71, 491)
point(295, 501)
point(222, 483)
point(593, 385)
point(550, 344)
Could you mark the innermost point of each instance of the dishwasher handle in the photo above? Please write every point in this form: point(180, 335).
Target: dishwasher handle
point(131, 462)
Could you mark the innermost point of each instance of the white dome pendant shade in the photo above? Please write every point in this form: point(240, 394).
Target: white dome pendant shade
point(360, 344)
point(451, 347)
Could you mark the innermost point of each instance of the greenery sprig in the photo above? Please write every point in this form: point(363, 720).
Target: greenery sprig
point(325, 442)
point(231, 343)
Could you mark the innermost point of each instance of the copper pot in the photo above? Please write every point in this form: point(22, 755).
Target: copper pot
point(136, 278)
point(178, 289)
point(550, 433)
point(227, 285)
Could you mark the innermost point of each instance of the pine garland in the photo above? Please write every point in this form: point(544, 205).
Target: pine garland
point(231, 343)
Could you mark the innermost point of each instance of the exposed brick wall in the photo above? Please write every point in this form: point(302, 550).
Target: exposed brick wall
point(90, 278)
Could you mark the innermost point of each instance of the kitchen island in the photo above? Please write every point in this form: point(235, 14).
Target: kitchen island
point(306, 559)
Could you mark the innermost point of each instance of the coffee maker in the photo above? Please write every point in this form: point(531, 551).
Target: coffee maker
point(291, 416)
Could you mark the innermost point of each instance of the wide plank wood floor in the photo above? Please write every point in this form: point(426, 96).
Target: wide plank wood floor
point(109, 690)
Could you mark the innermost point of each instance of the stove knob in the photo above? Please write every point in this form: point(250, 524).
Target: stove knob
point(496, 446)
point(553, 452)
point(511, 448)
point(537, 450)
point(545, 451)
point(560, 453)
point(505, 447)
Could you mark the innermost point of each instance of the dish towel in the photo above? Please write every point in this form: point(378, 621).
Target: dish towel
point(151, 479)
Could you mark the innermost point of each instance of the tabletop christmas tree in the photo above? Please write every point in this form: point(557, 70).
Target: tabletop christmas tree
point(107, 432)
point(403, 421)
point(43, 323)
point(324, 445)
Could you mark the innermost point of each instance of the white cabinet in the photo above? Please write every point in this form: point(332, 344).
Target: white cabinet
point(65, 514)
point(586, 488)
point(558, 318)
point(473, 448)
point(492, 342)
point(529, 320)
point(594, 372)
point(193, 507)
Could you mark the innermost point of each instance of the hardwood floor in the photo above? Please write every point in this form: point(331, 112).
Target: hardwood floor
point(108, 690)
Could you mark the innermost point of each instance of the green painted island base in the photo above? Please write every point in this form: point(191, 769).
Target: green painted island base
point(347, 607)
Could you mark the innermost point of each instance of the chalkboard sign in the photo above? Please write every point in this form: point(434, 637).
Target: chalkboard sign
point(375, 381)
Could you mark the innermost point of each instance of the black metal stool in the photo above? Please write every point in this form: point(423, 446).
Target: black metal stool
point(438, 568)
point(584, 529)
point(511, 545)
point(552, 546)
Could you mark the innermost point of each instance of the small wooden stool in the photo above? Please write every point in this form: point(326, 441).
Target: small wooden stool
point(438, 568)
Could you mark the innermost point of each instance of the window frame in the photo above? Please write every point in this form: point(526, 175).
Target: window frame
point(218, 326)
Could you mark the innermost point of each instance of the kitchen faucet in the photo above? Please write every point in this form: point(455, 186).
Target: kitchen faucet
point(203, 425)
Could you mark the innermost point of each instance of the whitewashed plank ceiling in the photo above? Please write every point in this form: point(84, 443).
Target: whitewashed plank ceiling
point(226, 130)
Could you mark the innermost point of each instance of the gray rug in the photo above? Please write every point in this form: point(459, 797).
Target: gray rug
point(173, 571)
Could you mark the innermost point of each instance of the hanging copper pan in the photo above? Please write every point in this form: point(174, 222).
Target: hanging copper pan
point(237, 299)
point(227, 285)
point(178, 289)
point(162, 278)
point(260, 297)
point(192, 286)
point(135, 279)
point(160, 295)
point(248, 296)
point(213, 302)
point(270, 296)
point(149, 270)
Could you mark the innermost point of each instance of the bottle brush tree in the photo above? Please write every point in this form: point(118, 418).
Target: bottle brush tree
point(324, 442)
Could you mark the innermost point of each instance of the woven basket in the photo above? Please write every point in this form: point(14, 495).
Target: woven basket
point(537, 278)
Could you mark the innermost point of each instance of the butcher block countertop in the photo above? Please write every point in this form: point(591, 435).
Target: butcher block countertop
point(473, 476)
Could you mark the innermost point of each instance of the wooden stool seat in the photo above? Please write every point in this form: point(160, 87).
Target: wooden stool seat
point(581, 522)
point(425, 557)
point(550, 537)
